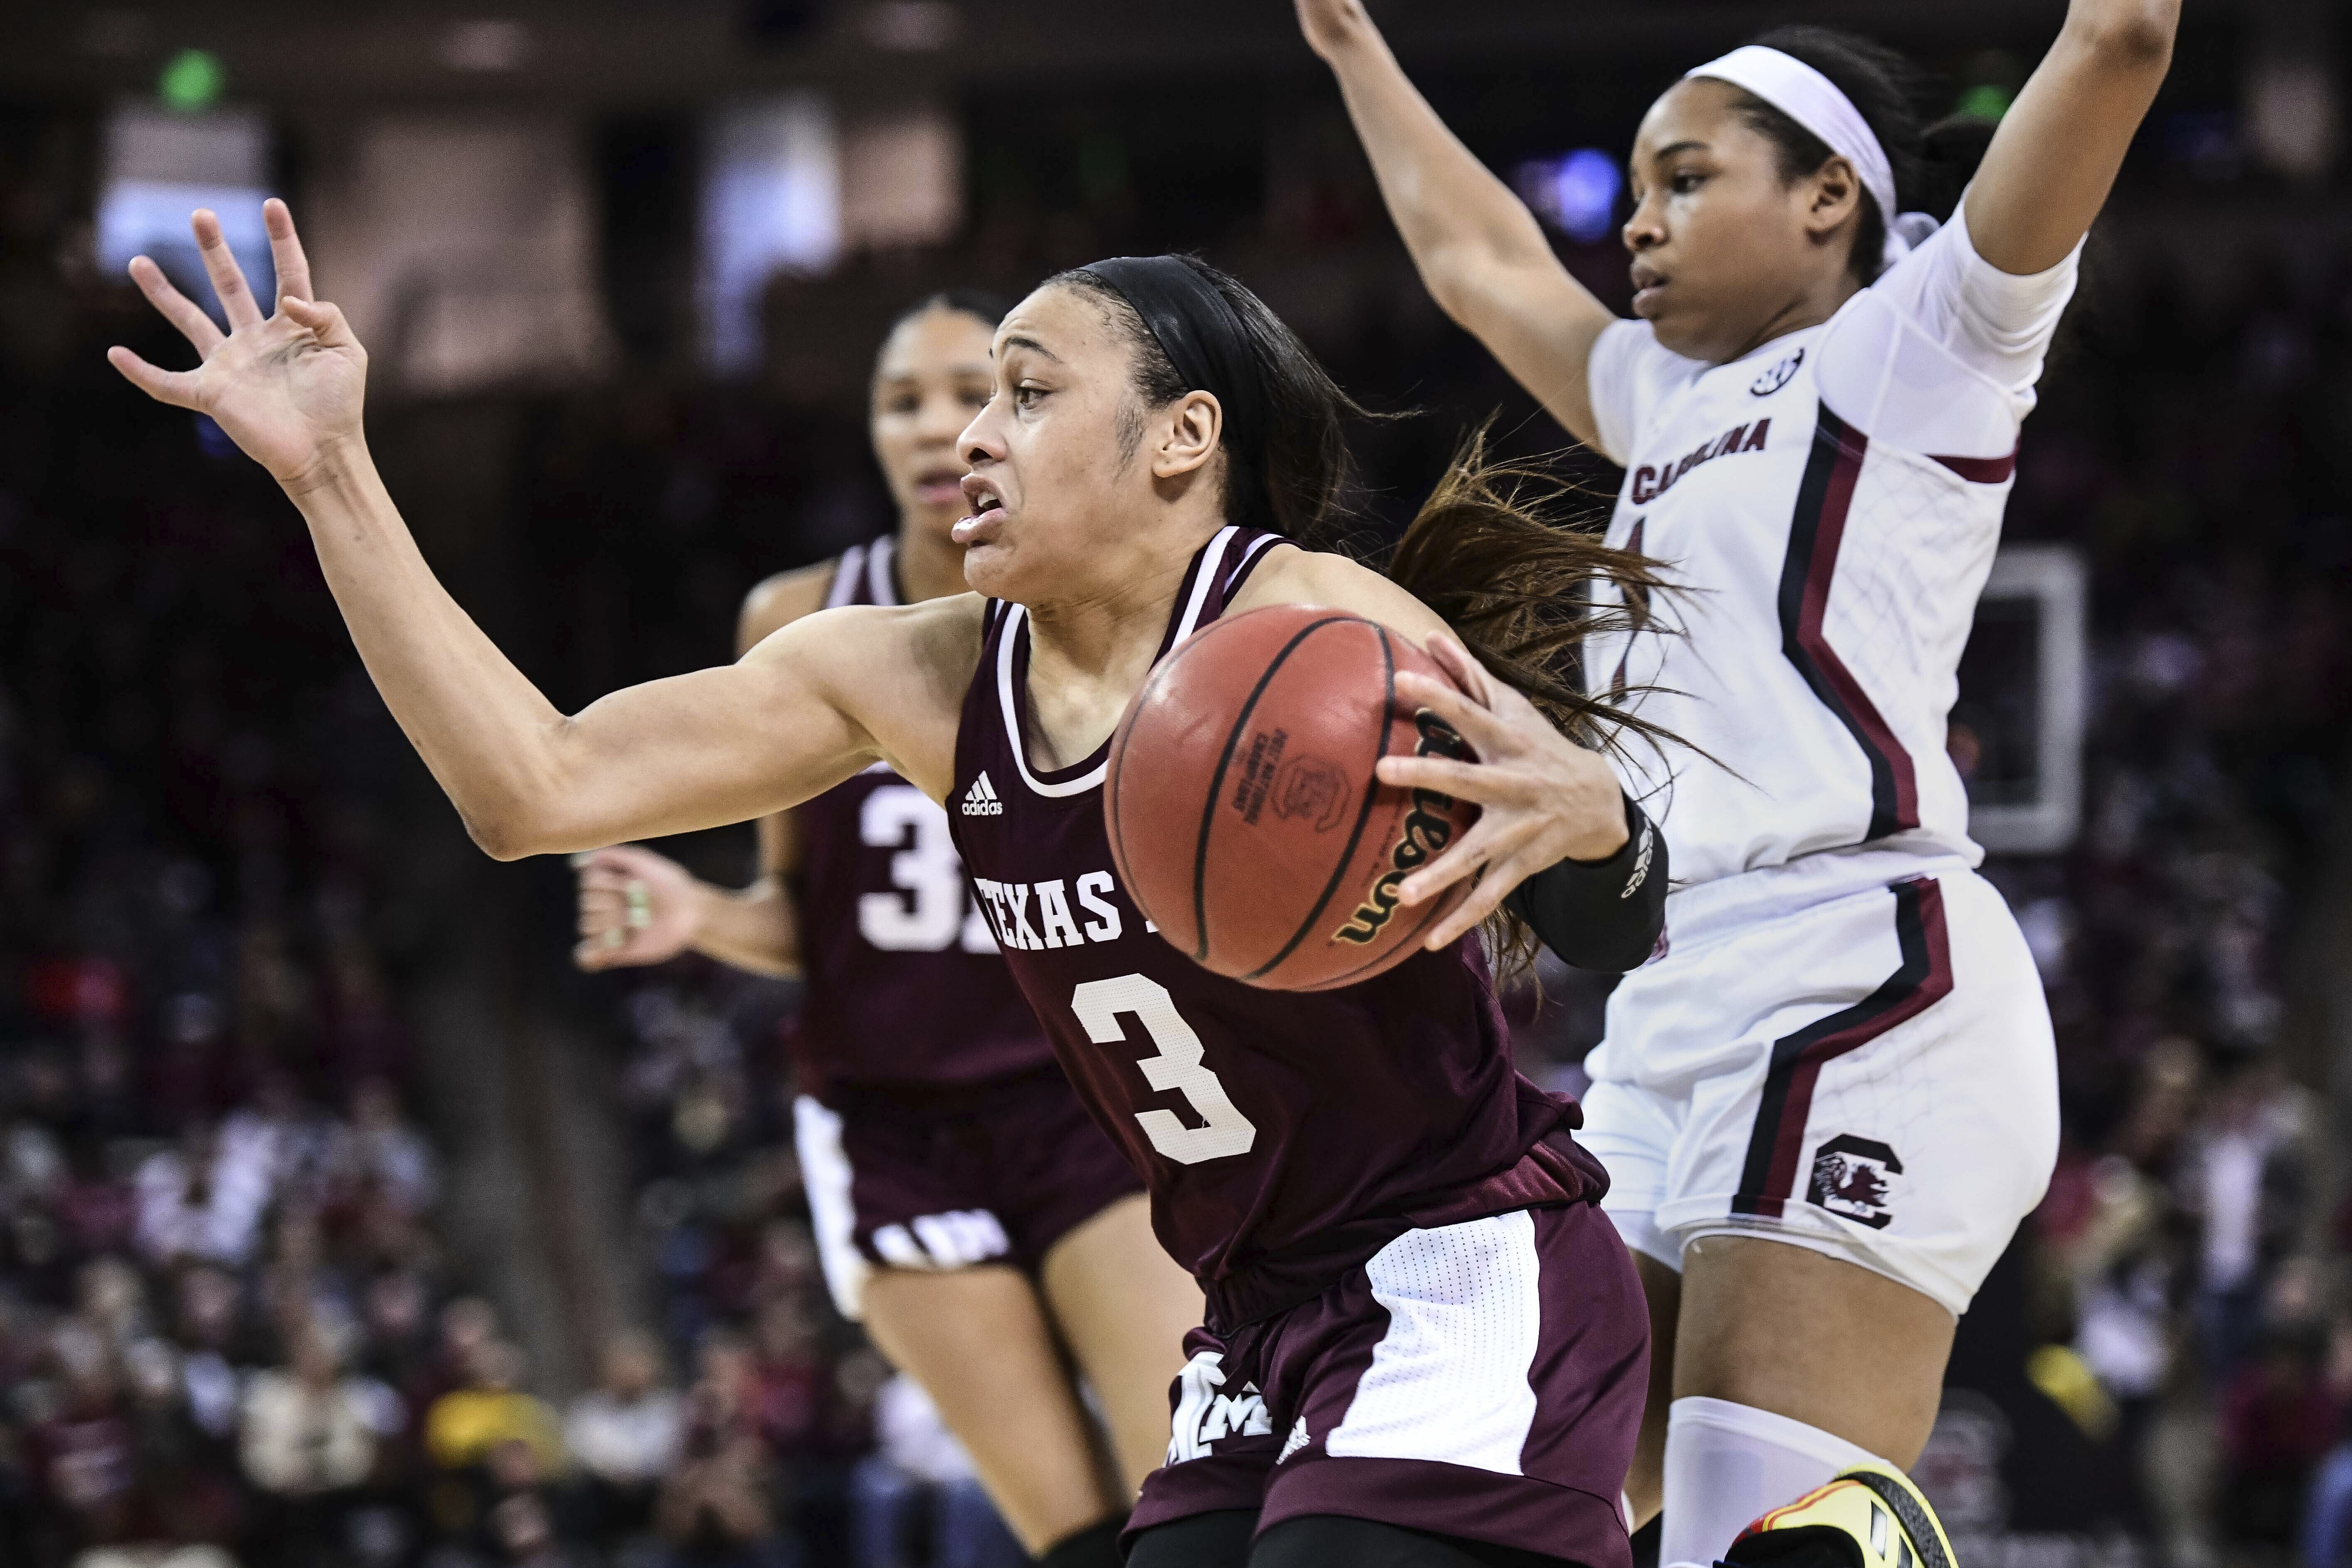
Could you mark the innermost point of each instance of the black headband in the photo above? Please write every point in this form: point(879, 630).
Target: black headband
point(1203, 339)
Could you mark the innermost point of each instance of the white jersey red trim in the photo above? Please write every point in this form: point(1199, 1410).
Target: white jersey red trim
point(1828, 508)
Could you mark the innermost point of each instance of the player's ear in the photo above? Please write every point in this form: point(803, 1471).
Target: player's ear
point(1194, 420)
point(1836, 191)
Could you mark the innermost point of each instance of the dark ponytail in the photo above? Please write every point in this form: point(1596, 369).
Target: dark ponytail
point(1508, 556)
point(1932, 164)
point(1505, 554)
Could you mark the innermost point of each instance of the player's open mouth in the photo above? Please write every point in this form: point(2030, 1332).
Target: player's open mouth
point(987, 512)
point(940, 486)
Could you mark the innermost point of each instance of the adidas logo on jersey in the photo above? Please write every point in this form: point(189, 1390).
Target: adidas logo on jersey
point(980, 800)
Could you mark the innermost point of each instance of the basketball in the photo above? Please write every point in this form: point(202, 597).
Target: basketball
point(1243, 809)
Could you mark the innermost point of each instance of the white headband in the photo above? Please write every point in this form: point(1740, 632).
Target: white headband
point(1813, 102)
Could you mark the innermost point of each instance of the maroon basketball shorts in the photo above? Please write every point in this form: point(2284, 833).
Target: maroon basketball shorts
point(946, 1178)
point(1482, 1380)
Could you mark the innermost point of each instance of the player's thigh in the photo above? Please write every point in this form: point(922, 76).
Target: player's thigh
point(1124, 1307)
point(1837, 1219)
point(1895, 1104)
point(1818, 1339)
point(978, 1341)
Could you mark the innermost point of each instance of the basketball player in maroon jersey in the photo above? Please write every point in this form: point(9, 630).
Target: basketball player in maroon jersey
point(967, 1209)
point(1422, 1343)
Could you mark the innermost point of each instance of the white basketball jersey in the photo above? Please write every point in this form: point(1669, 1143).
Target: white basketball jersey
point(1827, 509)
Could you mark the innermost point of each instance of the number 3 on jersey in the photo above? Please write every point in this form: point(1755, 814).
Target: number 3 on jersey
point(1176, 1066)
point(926, 911)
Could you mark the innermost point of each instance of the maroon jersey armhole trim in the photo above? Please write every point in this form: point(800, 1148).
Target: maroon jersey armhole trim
point(1184, 598)
point(1980, 471)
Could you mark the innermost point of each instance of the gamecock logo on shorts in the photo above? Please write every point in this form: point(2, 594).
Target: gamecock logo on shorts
point(1852, 1179)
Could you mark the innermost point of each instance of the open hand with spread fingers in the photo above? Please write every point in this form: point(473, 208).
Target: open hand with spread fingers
point(1542, 797)
point(286, 387)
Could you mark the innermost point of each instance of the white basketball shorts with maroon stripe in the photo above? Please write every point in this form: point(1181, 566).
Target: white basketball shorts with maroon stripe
point(1850, 1052)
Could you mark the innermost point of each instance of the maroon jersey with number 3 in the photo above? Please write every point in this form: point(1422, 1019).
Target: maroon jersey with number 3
point(904, 987)
point(1285, 1136)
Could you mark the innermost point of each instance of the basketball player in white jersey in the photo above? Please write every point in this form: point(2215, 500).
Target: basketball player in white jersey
point(1826, 1105)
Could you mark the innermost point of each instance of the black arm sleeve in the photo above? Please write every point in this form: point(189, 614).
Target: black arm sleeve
point(1601, 914)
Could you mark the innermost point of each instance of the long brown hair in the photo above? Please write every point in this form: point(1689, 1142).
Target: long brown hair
point(1509, 556)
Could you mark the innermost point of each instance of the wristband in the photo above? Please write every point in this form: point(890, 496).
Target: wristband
point(1601, 914)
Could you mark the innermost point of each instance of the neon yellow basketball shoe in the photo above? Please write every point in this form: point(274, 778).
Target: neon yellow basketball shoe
point(1869, 1516)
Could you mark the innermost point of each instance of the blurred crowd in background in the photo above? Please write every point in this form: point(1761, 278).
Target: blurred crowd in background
point(230, 1316)
point(228, 1319)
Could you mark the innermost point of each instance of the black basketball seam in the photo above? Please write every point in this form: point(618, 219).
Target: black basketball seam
point(1217, 779)
point(1363, 812)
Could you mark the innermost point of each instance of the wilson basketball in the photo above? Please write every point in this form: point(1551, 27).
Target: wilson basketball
point(1243, 809)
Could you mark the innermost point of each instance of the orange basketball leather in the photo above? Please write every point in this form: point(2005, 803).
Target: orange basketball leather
point(1243, 808)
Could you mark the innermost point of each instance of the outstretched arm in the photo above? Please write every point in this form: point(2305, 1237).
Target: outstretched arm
point(637, 906)
point(2052, 161)
point(803, 710)
point(1479, 250)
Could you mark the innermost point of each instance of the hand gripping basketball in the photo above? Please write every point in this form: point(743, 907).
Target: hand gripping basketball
point(1243, 808)
point(1542, 798)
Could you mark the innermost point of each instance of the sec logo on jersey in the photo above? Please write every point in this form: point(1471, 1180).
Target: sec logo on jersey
point(1773, 380)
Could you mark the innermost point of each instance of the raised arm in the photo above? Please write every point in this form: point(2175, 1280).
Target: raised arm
point(2052, 161)
point(807, 709)
point(1480, 252)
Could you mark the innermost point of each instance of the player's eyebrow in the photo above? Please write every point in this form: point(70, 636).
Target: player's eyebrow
point(1688, 144)
point(1033, 346)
